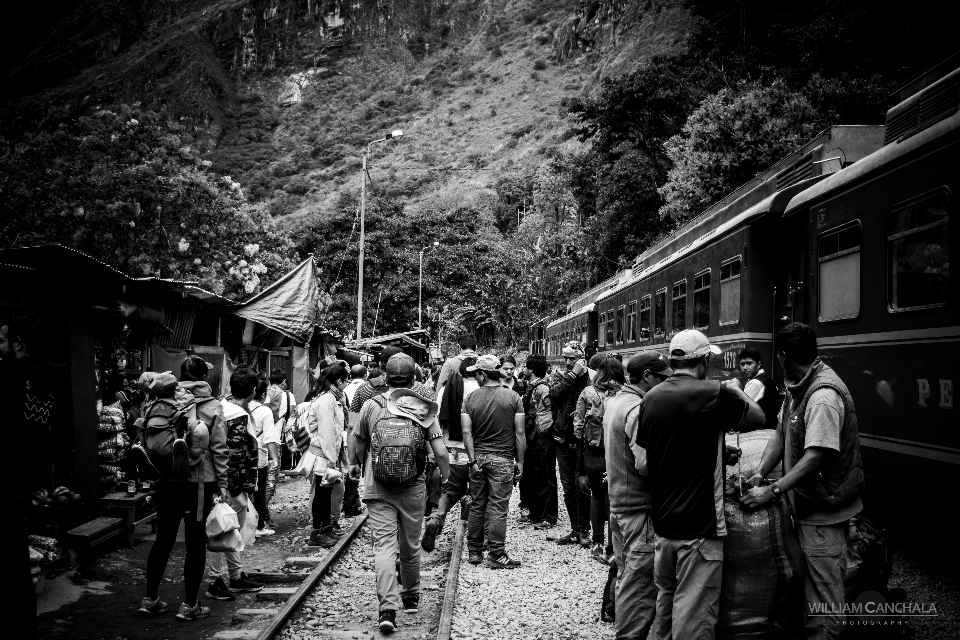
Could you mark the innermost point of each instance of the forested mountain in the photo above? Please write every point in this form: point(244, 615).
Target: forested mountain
point(546, 142)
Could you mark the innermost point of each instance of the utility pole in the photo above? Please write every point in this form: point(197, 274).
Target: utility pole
point(420, 297)
point(363, 209)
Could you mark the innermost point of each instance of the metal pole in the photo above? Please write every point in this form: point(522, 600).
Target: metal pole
point(420, 296)
point(363, 209)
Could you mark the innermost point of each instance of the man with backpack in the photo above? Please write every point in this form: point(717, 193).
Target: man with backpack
point(376, 386)
point(541, 451)
point(468, 349)
point(391, 440)
point(493, 434)
point(189, 423)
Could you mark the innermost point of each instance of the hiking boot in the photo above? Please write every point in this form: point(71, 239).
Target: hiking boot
point(193, 613)
point(388, 621)
point(544, 524)
point(265, 532)
point(218, 590)
point(150, 607)
point(606, 617)
point(181, 459)
point(411, 604)
point(353, 514)
point(571, 538)
point(429, 540)
point(318, 538)
point(500, 561)
point(525, 520)
point(475, 557)
point(585, 540)
point(336, 532)
point(244, 585)
point(598, 553)
point(141, 460)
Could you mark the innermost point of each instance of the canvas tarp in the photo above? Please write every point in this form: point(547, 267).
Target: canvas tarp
point(290, 305)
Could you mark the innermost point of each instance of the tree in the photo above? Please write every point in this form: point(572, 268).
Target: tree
point(126, 187)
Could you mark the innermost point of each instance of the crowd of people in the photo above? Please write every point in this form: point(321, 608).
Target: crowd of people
point(637, 445)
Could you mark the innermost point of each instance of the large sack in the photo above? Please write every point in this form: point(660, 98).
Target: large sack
point(763, 563)
point(752, 445)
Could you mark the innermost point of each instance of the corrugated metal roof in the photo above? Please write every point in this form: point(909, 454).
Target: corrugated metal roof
point(569, 316)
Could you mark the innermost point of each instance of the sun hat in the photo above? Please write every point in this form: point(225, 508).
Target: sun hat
point(410, 404)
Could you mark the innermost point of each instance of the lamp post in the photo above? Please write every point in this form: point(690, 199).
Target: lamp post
point(420, 301)
point(363, 209)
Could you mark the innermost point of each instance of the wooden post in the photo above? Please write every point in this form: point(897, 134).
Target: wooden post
point(83, 396)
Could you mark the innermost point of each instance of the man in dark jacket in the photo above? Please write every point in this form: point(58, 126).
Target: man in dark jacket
point(818, 440)
point(565, 388)
point(759, 386)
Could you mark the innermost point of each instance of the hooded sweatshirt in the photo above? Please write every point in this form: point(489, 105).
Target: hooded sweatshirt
point(627, 488)
point(211, 446)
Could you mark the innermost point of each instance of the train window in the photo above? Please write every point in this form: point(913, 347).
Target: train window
point(701, 300)
point(918, 260)
point(660, 317)
point(632, 322)
point(730, 292)
point(619, 328)
point(601, 337)
point(645, 317)
point(609, 327)
point(679, 306)
point(839, 281)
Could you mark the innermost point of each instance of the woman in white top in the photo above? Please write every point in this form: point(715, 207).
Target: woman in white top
point(326, 419)
point(267, 433)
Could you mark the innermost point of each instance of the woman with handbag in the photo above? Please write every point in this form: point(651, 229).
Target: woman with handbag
point(326, 423)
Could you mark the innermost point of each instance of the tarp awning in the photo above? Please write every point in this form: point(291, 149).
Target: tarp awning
point(290, 305)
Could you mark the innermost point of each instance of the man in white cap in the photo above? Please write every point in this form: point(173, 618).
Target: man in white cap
point(681, 425)
point(494, 435)
point(396, 504)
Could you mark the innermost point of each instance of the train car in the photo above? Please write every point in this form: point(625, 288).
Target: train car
point(865, 259)
point(579, 326)
point(537, 336)
point(714, 273)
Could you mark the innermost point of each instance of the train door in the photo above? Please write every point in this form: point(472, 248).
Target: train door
point(794, 288)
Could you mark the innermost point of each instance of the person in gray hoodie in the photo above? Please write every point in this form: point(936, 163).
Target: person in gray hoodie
point(189, 500)
point(631, 528)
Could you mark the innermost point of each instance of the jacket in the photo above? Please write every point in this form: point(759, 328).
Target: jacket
point(452, 365)
point(590, 405)
point(538, 410)
point(213, 467)
point(626, 488)
point(241, 450)
point(565, 388)
point(326, 421)
point(450, 406)
point(840, 478)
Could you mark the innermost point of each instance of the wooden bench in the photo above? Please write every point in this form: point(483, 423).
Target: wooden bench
point(128, 505)
point(86, 537)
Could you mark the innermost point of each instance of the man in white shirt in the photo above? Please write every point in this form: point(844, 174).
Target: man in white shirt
point(358, 375)
point(267, 432)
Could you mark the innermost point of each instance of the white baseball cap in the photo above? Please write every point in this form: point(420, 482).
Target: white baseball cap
point(690, 344)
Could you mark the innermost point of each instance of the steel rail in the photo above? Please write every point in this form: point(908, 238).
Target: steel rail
point(453, 581)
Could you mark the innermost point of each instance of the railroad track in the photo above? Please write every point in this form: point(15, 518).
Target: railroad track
point(297, 592)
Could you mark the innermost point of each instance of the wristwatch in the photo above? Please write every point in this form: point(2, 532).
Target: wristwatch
point(777, 494)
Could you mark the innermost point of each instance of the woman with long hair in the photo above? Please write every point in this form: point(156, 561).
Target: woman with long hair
point(588, 425)
point(326, 422)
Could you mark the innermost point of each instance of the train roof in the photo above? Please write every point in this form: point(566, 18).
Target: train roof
point(872, 164)
point(569, 316)
point(775, 203)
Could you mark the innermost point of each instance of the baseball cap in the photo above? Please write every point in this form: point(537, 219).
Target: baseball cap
point(486, 363)
point(648, 360)
point(400, 365)
point(691, 344)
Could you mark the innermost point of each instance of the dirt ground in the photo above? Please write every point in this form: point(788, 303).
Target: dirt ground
point(104, 604)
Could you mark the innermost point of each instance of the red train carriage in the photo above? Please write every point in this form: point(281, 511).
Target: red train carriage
point(865, 259)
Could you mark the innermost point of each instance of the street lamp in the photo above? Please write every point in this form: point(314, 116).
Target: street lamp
point(420, 302)
point(396, 133)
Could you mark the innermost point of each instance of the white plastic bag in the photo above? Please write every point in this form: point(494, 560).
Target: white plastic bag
point(222, 519)
point(305, 466)
point(226, 541)
point(249, 529)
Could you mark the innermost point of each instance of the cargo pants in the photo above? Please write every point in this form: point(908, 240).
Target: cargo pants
point(688, 574)
point(395, 524)
point(636, 595)
point(823, 548)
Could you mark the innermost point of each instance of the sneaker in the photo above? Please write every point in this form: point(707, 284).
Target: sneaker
point(585, 540)
point(411, 604)
point(571, 538)
point(606, 617)
point(501, 561)
point(193, 613)
point(181, 459)
point(354, 514)
point(475, 557)
point(598, 553)
point(388, 621)
point(271, 525)
point(318, 538)
point(141, 460)
point(544, 524)
point(265, 532)
point(336, 532)
point(244, 585)
point(525, 520)
point(429, 540)
point(150, 607)
point(218, 590)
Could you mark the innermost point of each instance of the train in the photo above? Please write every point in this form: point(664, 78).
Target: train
point(850, 234)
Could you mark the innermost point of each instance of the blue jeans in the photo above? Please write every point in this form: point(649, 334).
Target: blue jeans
point(490, 488)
